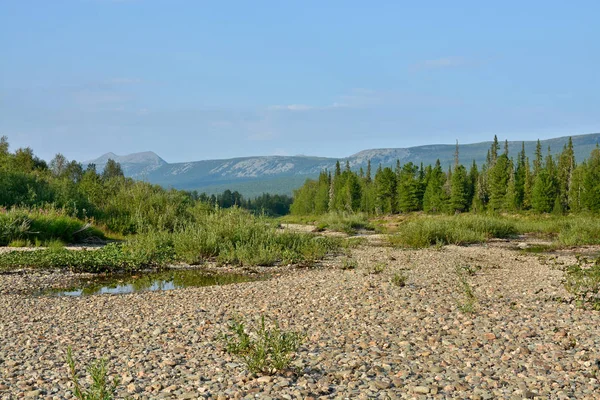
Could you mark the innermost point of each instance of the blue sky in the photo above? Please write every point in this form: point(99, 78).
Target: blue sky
point(194, 80)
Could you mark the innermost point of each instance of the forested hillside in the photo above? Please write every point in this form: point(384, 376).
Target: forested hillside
point(505, 182)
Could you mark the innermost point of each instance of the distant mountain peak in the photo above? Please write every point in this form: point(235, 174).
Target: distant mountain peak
point(144, 157)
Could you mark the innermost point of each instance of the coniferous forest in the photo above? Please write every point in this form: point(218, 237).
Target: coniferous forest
point(505, 183)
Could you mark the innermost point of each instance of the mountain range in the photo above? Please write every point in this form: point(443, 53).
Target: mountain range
point(252, 176)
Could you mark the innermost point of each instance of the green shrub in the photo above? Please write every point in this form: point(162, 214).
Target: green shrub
point(399, 279)
point(349, 263)
point(101, 388)
point(264, 349)
point(469, 301)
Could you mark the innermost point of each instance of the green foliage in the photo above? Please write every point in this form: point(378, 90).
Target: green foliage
point(544, 192)
point(460, 188)
point(409, 198)
point(556, 184)
point(434, 198)
point(232, 236)
point(378, 268)
point(461, 229)
point(498, 177)
point(399, 279)
point(265, 349)
point(100, 389)
point(591, 182)
point(385, 191)
point(469, 301)
point(349, 263)
point(583, 281)
point(43, 225)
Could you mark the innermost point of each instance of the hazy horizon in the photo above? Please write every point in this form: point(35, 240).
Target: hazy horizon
point(195, 81)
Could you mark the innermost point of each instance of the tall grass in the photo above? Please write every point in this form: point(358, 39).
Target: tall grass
point(424, 231)
point(231, 236)
point(40, 226)
point(421, 231)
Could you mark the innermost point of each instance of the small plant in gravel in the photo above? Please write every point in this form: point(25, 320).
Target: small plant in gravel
point(583, 281)
point(399, 279)
point(467, 305)
point(265, 349)
point(378, 268)
point(469, 269)
point(349, 263)
point(101, 388)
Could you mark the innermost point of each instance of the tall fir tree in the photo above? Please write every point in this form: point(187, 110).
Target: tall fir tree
point(459, 192)
point(434, 199)
point(408, 188)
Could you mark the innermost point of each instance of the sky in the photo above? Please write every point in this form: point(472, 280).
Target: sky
point(194, 80)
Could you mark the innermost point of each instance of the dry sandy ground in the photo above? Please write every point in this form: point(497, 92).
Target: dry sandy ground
point(365, 337)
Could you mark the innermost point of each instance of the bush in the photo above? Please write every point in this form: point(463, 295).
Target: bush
point(265, 349)
point(100, 389)
point(399, 279)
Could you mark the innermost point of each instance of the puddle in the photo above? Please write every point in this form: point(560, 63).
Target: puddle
point(149, 282)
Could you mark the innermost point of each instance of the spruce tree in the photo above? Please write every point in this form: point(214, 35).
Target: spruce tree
point(408, 188)
point(519, 178)
point(494, 151)
point(498, 176)
point(481, 195)
point(537, 162)
point(385, 190)
point(576, 188)
point(566, 165)
point(434, 199)
point(459, 194)
point(591, 182)
point(510, 199)
point(545, 191)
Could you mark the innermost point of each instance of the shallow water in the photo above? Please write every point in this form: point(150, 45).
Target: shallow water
point(149, 282)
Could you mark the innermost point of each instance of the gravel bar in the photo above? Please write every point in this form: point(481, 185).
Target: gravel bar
point(365, 337)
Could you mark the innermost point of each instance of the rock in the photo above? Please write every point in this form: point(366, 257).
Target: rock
point(421, 389)
point(132, 388)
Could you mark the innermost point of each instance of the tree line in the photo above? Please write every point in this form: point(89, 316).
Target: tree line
point(266, 203)
point(503, 183)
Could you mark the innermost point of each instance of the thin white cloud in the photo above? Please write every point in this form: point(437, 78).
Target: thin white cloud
point(292, 107)
point(443, 62)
